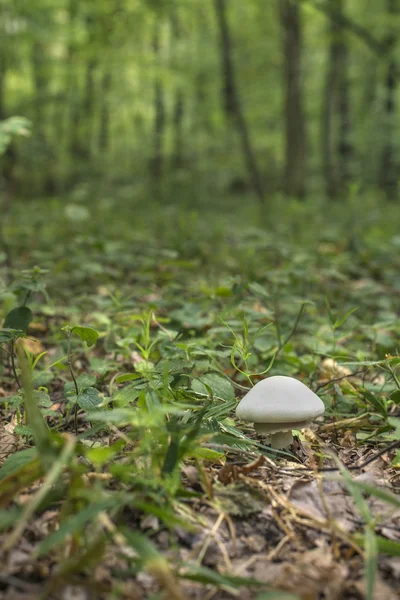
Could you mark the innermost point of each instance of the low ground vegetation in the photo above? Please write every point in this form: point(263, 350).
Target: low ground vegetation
point(124, 472)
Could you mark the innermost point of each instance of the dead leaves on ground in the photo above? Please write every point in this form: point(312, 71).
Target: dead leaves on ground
point(8, 444)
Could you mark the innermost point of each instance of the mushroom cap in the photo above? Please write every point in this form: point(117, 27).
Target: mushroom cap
point(279, 399)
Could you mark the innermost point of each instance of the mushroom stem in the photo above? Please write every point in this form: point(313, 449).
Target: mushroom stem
point(282, 439)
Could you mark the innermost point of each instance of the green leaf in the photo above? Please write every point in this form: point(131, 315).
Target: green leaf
point(395, 397)
point(127, 395)
point(35, 420)
point(206, 454)
point(219, 386)
point(341, 320)
point(18, 318)
point(371, 560)
point(145, 548)
point(259, 290)
point(8, 517)
point(87, 334)
point(363, 363)
point(127, 377)
point(89, 398)
point(16, 461)
point(205, 575)
point(118, 416)
point(23, 430)
point(171, 457)
point(385, 546)
point(12, 127)
point(99, 456)
point(84, 381)
point(396, 460)
point(7, 334)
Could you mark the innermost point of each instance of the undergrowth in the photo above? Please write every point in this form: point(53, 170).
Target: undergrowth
point(126, 351)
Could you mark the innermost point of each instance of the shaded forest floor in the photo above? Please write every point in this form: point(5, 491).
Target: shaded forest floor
point(147, 485)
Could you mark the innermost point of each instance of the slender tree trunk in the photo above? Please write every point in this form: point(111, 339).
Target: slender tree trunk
point(2, 87)
point(104, 134)
point(40, 83)
point(156, 161)
point(345, 149)
point(89, 96)
point(388, 176)
point(295, 137)
point(8, 159)
point(7, 162)
point(179, 105)
point(73, 91)
point(328, 110)
point(231, 100)
point(336, 149)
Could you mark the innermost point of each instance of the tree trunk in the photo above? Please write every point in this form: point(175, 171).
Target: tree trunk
point(336, 149)
point(104, 134)
point(75, 147)
point(7, 163)
point(179, 105)
point(8, 160)
point(388, 168)
point(2, 87)
point(156, 161)
point(295, 137)
point(231, 100)
point(89, 97)
point(328, 110)
point(345, 150)
point(40, 83)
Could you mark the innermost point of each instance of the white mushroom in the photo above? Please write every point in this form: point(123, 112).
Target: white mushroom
point(277, 405)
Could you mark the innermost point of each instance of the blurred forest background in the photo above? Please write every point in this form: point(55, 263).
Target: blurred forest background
point(202, 97)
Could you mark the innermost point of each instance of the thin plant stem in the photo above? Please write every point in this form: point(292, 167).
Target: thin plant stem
point(12, 357)
point(74, 380)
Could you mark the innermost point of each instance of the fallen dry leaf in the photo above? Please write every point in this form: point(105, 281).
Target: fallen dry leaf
point(8, 444)
point(37, 327)
point(310, 576)
point(307, 496)
point(330, 369)
point(35, 347)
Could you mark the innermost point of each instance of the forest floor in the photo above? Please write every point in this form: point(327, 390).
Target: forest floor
point(143, 484)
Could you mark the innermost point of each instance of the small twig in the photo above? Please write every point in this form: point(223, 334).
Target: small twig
point(14, 370)
point(303, 468)
point(322, 385)
point(171, 338)
point(282, 343)
point(69, 363)
point(352, 467)
point(294, 329)
point(28, 295)
point(371, 459)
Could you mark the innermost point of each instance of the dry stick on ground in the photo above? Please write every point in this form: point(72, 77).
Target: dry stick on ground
point(302, 468)
point(322, 385)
